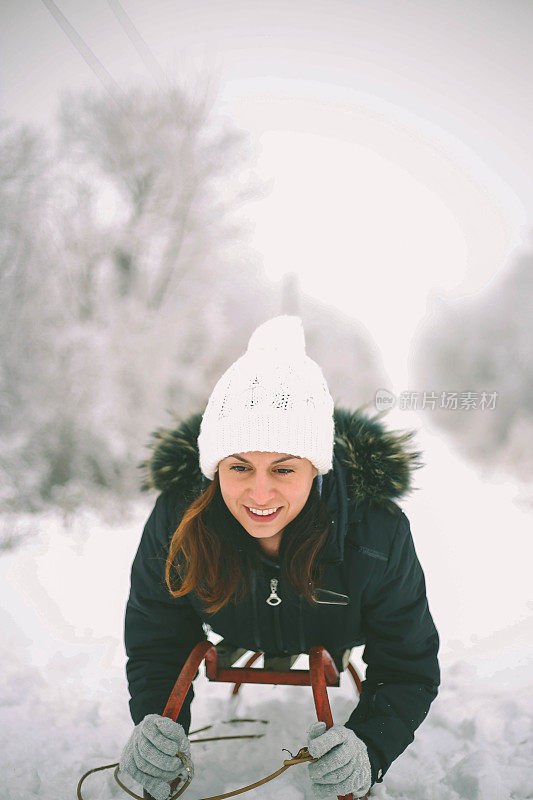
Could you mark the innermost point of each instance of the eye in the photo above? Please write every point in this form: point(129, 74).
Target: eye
point(282, 470)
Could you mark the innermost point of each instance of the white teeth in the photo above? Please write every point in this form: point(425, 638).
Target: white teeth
point(263, 513)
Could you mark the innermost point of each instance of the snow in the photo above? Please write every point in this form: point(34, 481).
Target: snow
point(64, 699)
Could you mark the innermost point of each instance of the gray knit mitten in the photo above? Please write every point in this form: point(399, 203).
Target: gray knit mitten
point(150, 754)
point(343, 766)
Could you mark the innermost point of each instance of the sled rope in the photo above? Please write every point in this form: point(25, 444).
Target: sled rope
point(301, 757)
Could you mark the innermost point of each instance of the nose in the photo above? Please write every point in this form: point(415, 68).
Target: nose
point(261, 489)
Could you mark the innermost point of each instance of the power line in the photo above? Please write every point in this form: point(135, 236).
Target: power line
point(150, 61)
point(85, 51)
point(105, 78)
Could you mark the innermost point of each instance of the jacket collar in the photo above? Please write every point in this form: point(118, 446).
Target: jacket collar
point(372, 466)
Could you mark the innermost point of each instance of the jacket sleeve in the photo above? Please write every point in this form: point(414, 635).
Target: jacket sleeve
point(159, 630)
point(403, 675)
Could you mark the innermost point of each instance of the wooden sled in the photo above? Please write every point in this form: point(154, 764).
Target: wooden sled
point(323, 672)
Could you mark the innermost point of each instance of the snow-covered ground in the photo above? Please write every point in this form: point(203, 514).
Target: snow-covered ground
point(63, 692)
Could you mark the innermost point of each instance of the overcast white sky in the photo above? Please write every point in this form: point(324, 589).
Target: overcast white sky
point(397, 134)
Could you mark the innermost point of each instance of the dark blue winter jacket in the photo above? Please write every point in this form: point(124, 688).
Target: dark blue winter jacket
point(369, 556)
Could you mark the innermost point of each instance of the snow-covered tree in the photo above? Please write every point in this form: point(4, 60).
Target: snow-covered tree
point(482, 344)
point(115, 241)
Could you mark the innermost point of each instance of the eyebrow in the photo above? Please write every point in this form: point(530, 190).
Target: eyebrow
point(279, 460)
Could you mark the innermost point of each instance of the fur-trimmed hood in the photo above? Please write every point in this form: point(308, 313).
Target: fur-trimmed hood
point(378, 463)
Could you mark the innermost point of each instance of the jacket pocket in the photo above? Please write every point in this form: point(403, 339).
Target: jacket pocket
point(330, 598)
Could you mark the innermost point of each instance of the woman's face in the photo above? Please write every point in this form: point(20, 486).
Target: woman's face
point(258, 481)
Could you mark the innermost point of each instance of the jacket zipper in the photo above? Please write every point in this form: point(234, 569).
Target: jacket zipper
point(274, 600)
point(255, 619)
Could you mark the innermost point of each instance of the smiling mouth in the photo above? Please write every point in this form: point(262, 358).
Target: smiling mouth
point(262, 517)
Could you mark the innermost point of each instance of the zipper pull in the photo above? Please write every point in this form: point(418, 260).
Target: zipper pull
point(273, 600)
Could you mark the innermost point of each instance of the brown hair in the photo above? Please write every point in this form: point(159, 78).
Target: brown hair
point(212, 554)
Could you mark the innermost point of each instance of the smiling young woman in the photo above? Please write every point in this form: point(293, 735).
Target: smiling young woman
point(272, 493)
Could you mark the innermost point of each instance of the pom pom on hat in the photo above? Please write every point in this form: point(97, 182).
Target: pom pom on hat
point(280, 337)
point(274, 399)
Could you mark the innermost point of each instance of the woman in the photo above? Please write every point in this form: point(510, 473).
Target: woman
point(276, 527)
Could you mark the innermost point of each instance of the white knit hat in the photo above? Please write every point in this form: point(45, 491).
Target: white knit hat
point(273, 399)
